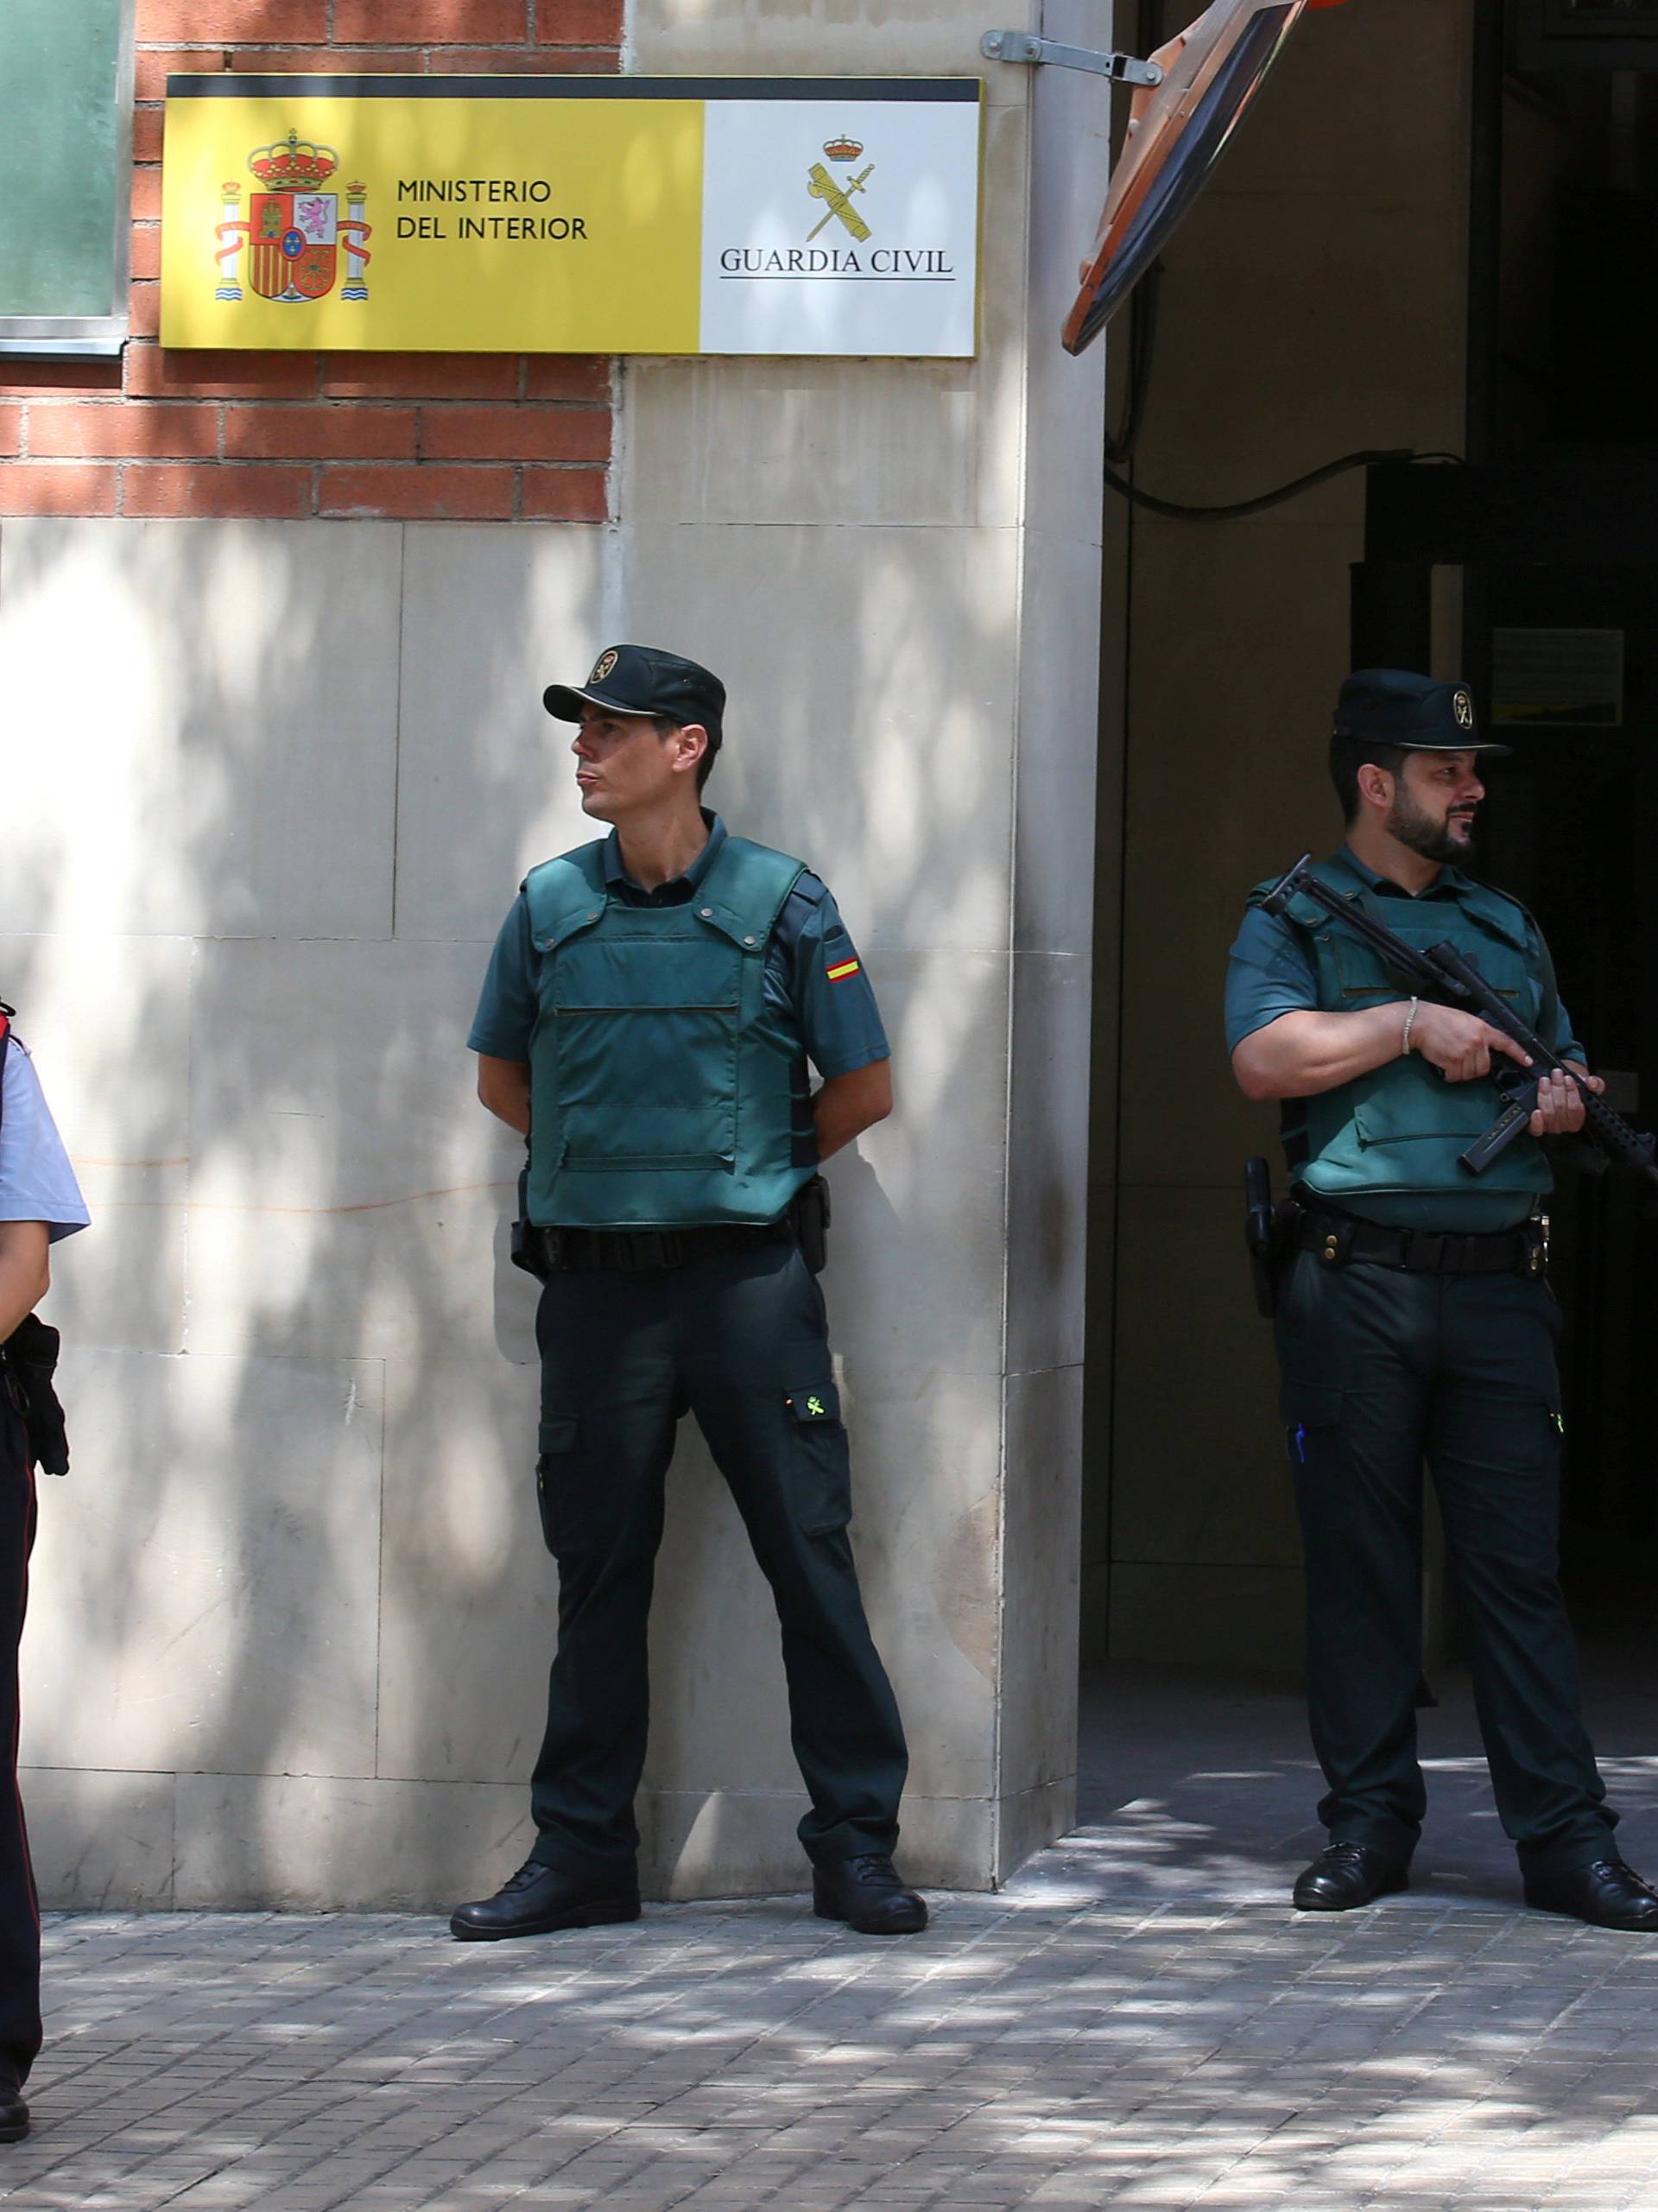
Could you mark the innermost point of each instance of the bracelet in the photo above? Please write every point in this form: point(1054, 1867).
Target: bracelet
point(1410, 1023)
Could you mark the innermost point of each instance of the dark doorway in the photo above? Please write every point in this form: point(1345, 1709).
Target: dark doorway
point(1552, 525)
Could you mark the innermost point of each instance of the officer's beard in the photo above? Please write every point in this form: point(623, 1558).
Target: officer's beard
point(1420, 832)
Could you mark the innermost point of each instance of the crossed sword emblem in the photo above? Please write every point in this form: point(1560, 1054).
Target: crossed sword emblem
point(822, 186)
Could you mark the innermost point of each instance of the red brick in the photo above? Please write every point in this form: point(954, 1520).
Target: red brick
point(436, 22)
point(578, 22)
point(146, 250)
point(146, 194)
point(56, 488)
point(177, 488)
point(420, 375)
point(11, 429)
point(341, 432)
point(515, 434)
point(271, 21)
point(147, 133)
point(154, 372)
point(54, 378)
point(566, 495)
point(144, 310)
point(567, 376)
point(113, 430)
point(505, 61)
point(432, 494)
point(157, 64)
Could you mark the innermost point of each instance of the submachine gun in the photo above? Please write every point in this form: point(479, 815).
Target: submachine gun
point(1449, 977)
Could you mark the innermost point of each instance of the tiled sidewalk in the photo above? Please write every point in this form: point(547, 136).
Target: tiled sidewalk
point(1139, 2021)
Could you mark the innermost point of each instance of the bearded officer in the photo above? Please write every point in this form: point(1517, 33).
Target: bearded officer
point(648, 1014)
point(40, 1203)
point(1414, 1321)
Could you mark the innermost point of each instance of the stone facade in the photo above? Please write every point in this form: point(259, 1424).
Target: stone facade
point(291, 1612)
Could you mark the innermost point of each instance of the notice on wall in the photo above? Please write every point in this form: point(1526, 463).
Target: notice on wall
point(571, 214)
point(1547, 679)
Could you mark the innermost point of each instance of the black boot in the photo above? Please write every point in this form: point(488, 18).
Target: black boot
point(1607, 1894)
point(867, 1893)
point(14, 2112)
point(538, 1898)
point(1345, 1875)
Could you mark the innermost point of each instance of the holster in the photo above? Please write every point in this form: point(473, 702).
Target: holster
point(29, 1358)
point(812, 1219)
point(1271, 1229)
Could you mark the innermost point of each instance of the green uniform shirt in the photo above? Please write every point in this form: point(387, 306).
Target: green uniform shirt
point(1271, 972)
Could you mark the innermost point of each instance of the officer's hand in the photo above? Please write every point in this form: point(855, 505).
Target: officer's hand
point(1459, 1045)
point(1560, 1102)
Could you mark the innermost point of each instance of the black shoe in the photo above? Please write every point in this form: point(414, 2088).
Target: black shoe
point(1609, 1894)
point(867, 1894)
point(1345, 1875)
point(14, 2112)
point(538, 1899)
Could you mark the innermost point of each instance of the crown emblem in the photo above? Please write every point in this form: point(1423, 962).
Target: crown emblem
point(844, 149)
point(292, 164)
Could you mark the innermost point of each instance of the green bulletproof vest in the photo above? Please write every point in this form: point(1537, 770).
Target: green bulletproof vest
point(659, 1098)
point(1401, 1127)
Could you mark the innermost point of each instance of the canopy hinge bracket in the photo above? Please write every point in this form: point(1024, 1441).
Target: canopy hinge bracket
point(1021, 45)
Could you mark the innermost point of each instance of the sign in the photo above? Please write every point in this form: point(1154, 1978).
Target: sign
point(571, 214)
point(1557, 679)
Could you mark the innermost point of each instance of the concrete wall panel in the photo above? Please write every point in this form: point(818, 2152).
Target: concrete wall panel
point(346, 1187)
point(485, 783)
point(204, 1585)
point(896, 787)
point(222, 701)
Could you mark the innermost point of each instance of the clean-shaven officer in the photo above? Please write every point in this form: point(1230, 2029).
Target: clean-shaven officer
point(1414, 1320)
point(647, 1019)
point(39, 1202)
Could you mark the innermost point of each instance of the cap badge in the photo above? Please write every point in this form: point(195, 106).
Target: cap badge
point(1463, 707)
point(606, 661)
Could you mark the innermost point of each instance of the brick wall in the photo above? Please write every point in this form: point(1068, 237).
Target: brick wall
point(479, 437)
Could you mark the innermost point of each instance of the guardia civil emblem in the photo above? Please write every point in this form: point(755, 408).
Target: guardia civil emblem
point(294, 235)
point(838, 197)
point(1463, 707)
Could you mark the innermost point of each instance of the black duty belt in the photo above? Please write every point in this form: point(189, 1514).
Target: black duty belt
point(639, 1252)
point(1342, 1241)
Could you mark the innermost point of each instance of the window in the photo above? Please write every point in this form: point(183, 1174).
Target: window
point(66, 175)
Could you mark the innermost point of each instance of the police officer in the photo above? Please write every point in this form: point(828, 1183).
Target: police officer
point(1415, 1320)
point(39, 1202)
point(646, 1020)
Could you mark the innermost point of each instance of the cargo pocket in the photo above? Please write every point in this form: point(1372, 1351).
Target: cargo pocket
point(555, 1484)
point(822, 1464)
point(1307, 1409)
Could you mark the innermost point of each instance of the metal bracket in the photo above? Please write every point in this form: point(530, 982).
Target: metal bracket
point(1021, 46)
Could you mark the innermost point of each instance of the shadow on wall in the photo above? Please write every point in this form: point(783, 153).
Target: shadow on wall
point(270, 788)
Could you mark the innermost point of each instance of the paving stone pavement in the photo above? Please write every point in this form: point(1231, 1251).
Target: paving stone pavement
point(1138, 2019)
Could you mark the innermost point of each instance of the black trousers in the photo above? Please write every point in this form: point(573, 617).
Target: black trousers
point(1380, 1370)
point(20, 1919)
point(739, 1339)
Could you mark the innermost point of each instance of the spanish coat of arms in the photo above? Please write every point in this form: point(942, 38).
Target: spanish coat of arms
point(293, 234)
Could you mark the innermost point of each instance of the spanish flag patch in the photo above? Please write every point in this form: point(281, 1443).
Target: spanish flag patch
point(841, 970)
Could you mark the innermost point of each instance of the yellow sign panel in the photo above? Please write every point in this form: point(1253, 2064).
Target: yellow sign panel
point(441, 211)
point(571, 215)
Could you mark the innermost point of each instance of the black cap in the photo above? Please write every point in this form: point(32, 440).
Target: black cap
point(1392, 706)
point(644, 679)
